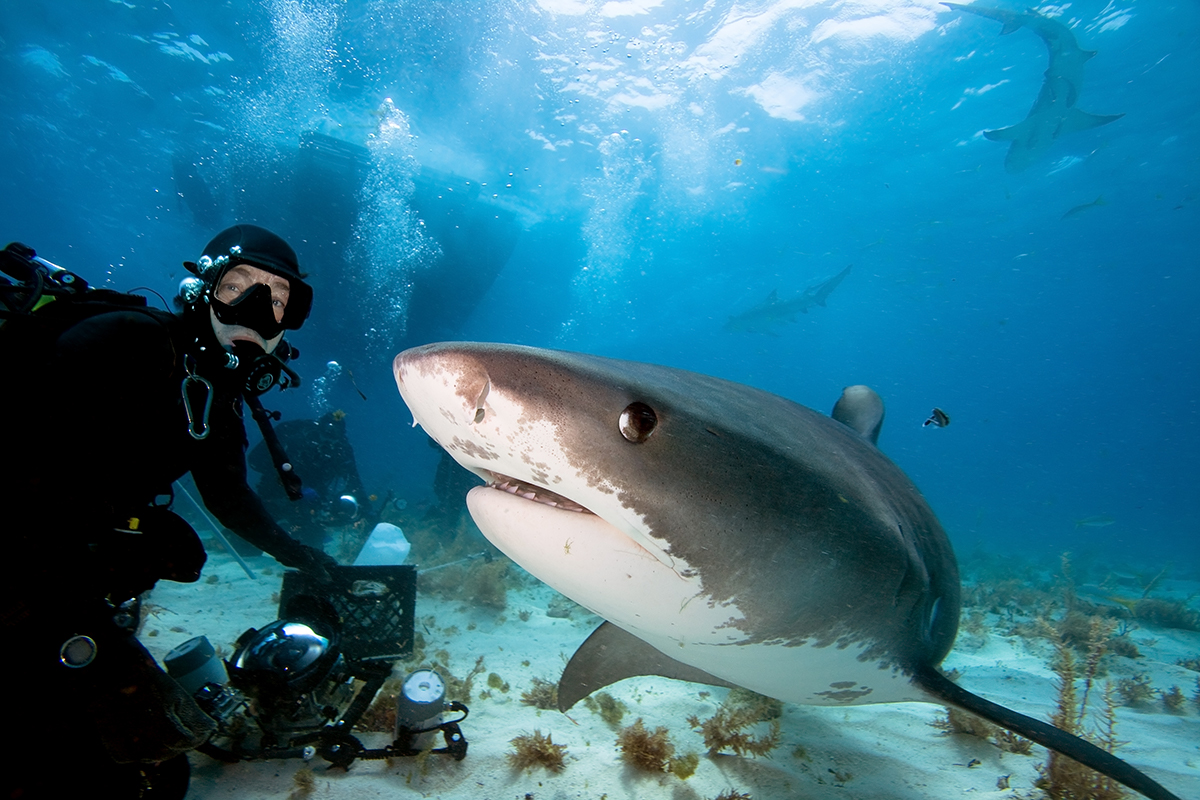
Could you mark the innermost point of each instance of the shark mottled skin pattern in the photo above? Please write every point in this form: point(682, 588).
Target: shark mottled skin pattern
point(727, 535)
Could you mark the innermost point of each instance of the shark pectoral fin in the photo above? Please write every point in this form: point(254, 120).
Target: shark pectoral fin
point(1070, 745)
point(609, 655)
point(1077, 120)
point(1009, 134)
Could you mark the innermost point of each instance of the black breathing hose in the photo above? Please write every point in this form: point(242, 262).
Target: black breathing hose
point(287, 474)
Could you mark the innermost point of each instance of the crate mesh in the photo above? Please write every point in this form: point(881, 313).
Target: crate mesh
point(375, 605)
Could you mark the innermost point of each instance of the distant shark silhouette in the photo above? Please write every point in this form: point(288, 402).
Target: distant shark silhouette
point(1054, 112)
point(763, 317)
point(191, 190)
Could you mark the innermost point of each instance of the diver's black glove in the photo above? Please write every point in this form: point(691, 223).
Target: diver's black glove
point(315, 562)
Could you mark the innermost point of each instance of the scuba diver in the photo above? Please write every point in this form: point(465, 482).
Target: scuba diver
point(333, 491)
point(102, 414)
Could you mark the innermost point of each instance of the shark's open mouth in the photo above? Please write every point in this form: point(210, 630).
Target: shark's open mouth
point(538, 494)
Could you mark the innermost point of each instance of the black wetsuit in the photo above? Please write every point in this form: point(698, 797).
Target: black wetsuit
point(93, 432)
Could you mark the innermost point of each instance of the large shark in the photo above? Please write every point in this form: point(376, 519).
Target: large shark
point(727, 535)
point(1054, 112)
point(765, 316)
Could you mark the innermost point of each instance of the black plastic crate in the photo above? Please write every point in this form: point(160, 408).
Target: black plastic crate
point(375, 605)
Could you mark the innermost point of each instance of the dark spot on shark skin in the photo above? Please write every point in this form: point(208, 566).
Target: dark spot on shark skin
point(843, 684)
point(845, 696)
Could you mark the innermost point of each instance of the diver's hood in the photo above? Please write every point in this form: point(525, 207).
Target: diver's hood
point(256, 247)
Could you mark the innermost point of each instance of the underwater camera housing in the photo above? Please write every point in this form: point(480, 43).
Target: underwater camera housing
point(297, 687)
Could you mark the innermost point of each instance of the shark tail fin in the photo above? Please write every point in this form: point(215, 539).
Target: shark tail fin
point(1043, 733)
point(1077, 120)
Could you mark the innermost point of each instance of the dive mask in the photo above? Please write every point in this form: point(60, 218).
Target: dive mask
point(252, 309)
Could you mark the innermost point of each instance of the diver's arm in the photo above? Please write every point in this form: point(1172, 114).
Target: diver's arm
point(221, 479)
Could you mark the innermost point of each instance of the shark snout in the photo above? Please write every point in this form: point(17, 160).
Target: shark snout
point(439, 378)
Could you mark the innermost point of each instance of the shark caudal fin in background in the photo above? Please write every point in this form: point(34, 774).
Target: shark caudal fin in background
point(1053, 113)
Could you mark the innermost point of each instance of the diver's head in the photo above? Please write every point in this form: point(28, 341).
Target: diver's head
point(251, 281)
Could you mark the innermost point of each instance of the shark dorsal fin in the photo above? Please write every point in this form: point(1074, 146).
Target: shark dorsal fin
point(610, 655)
point(860, 408)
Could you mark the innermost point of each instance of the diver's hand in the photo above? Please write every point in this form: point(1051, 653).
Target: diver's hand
point(316, 563)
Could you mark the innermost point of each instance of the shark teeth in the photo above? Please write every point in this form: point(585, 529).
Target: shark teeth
point(537, 494)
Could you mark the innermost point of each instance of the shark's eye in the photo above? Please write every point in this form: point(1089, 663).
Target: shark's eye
point(638, 422)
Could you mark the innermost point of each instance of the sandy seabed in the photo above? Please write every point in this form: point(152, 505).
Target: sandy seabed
point(882, 751)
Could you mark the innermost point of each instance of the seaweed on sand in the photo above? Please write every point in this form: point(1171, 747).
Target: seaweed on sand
point(532, 750)
point(459, 689)
point(542, 694)
point(959, 721)
point(727, 729)
point(608, 707)
point(1167, 614)
point(380, 716)
point(1135, 690)
point(1173, 700)
point(1061, 777)
point(650, 751)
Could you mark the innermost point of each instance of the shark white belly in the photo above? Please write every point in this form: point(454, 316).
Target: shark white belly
point(602, 569)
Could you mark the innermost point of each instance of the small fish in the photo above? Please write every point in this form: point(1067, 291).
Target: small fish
point(1131, 605)
point(1077, 210)
point(938, 419)
point(1095, 521)
point(350, 372)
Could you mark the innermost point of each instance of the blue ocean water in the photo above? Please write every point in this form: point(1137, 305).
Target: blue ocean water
point(622, 177)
